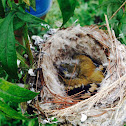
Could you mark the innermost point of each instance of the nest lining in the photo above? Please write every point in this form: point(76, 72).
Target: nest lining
point(104, 108)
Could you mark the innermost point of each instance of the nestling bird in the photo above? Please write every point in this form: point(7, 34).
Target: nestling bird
point(84, 72)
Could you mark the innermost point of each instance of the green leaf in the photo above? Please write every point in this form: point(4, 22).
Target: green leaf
point(29, 18)
point(8, 56)
point(10, 112)
point(10, 3)
point(4, 3)
point(67, 8)
point(111, 8)
point(123, 20)
point(18, 23)
point(122, 25)
point(120, 14)
point(1, 20)
point(14, 93)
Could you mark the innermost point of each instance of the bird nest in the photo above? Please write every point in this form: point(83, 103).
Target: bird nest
point(107, 106)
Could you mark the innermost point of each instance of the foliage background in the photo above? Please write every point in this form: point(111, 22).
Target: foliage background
point(85, 12)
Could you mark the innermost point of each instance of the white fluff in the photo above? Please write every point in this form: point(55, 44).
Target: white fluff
point(37, 39)
point(83, 118)
point(18, 62)
point(30, 71)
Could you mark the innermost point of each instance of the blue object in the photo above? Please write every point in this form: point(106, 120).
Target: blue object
point(42, 7)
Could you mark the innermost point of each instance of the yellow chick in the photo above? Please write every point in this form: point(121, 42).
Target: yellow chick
point(69, 70)
point(86, 66)
point(87, 72)
point(96, 77)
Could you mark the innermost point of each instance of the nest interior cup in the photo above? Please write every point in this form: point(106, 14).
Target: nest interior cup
point(64, 45)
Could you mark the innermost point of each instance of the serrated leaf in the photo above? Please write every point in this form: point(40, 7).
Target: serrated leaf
point(29, 18)
point(8, 56)
point(67, 8)
point(14, 93)
point(10, 112)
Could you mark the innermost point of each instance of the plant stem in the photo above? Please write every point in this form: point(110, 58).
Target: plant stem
point(118, 10)
point(28, 50)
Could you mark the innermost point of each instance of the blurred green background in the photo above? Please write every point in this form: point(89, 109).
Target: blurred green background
point(86, 13)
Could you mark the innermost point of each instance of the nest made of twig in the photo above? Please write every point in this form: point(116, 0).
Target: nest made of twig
point(107, 107)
